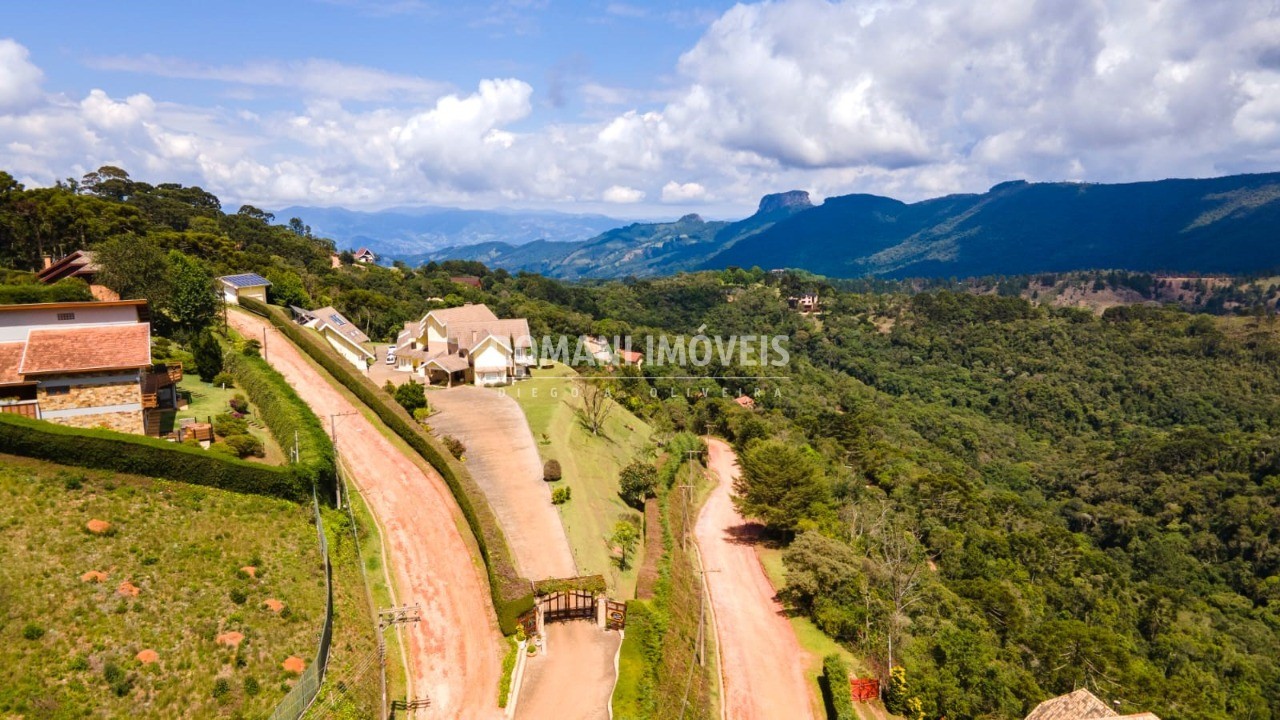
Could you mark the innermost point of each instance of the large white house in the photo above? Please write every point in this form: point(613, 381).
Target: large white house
point(466, 344)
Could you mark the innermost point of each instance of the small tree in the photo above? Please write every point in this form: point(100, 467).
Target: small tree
point(208, 356)
point(625, 536)
point(411, 396)
point(596, 405)
point(638, 482)
point(551, 471)
point(191, 303)
point(780, 484)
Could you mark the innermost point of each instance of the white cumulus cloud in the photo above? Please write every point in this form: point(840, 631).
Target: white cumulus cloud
point(19, 77)
point(622, 194)
point(674, 192)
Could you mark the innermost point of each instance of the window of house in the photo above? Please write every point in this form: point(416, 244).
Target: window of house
point(58, 390)
point(67, 316)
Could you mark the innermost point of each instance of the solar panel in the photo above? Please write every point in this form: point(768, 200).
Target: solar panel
point(245, 280)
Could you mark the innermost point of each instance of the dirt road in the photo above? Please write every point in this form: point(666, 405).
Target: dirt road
point(574, 680)
point(455, 654)
point(503, 459)
point(763, 665)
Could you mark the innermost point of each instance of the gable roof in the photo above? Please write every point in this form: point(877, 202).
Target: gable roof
point(1078, 705)
point(329, 316)
point(461, 314)
point(10, 359)
point(449, 363)
point(513, 332)
point(363, 251)
point(85, 349)
point(244, 280)
point(77, 264)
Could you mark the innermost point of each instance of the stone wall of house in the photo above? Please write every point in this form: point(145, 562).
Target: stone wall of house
point(125, 422)
point(84, 394)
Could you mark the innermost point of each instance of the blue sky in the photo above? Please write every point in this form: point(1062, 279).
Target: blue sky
point(635, 110)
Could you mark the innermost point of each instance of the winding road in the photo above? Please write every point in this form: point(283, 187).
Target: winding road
point(762, 664)
point(455, 653)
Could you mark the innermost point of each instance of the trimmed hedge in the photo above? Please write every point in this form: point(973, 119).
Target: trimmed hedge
point(512, 596)
point(141, 455)
point(585, 583)
point(835, 688)
point(286, 414)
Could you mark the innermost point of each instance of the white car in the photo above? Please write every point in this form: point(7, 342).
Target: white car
point(391, 356)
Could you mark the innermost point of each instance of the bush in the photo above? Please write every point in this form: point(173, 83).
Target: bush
point(224, 379)
point(421, 414)
point(237, 596)
point(508, 667)
point(561, 495)
point(835, 688)
point(221, 689)
point(551, 471)
point(71, 481)
point(152, 457)
point(32, 631)
point(226, 425)
point(239, 404)
point(456, 448)
point(412, 396)
point(245, 445)
point(638, 482)
point(511, 596)
point(120, 682)
point(251, 686)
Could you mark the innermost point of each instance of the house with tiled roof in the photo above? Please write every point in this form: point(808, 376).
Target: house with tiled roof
point(1080, 705)
point(79, 264)
point(244, 285)
point(345, 337)
point(468, 343)
point(85, 365)
point(365, 255)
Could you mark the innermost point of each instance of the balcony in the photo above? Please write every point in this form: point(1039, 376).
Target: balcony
point(161, 376)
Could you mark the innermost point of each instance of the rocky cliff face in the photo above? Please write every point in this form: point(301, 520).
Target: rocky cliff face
point(792, 200)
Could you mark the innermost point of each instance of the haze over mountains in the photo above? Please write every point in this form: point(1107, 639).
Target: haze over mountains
point(1228, 224)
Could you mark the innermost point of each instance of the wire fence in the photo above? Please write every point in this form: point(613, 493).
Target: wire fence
point(304, 691)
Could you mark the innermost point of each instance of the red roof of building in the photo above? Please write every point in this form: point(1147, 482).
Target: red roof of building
point(745, 402)
point(10, 359)
point(631, 356)
point(86, 349)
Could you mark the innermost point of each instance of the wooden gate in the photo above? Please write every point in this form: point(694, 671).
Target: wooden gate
point(568, 605)
point(615, 614)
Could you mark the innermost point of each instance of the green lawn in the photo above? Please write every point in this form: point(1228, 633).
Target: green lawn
point(208, 400)
point(590, 466)
point(69, 646)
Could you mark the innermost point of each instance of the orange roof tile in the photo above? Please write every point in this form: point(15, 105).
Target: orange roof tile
point(10, 358)
point(106, 347)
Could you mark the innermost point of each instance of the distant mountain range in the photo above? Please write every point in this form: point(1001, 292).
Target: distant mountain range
point(405, 232)
point(1228, 224)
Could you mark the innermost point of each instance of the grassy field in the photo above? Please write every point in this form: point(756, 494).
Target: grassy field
point(208, 400)
point(590, 466)
point(70, 645)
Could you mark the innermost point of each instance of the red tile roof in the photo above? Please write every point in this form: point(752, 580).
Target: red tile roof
point(10, 358)
point(106, 347)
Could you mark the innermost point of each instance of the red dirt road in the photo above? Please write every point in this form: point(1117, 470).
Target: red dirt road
point(762, 663)
point(455, 653)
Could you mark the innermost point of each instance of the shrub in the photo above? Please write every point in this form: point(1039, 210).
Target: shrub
point(411, 396)
point(251, 686)
point(32, 631)
point(508, 667)
point(224, 379)
point(225, 425)
point(456, 448)
point(638, 482)
point(561, 495)
point(79, 663)
point(221, 689)
point(551, 471)
point(835, 688)
point(421, 414)
point(251, 348)
point(245, 445)
point(72, 482)
point(239, 403)
point(238, 597)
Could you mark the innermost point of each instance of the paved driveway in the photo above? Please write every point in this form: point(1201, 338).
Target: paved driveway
point(503, 459)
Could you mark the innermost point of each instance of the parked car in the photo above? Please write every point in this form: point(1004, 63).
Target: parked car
point(391, 356)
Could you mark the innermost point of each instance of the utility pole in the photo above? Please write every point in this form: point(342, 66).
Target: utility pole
point(264, 345)
point(333, 433)
point(702, 616)
point(688, 500)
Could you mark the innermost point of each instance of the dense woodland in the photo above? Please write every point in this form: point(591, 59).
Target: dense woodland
point(1007, 499)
